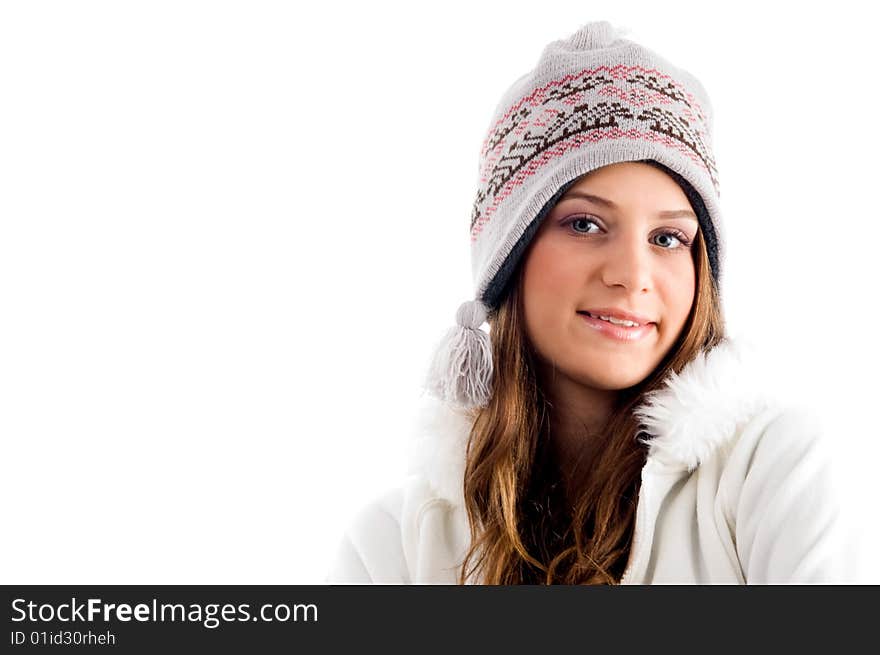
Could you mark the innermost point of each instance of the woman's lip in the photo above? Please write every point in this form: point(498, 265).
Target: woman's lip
point(617, 332)
point(619, 314)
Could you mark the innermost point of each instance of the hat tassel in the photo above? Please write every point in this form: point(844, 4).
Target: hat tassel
point(461, 371)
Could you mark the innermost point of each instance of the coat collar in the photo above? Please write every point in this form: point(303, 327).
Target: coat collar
point(690, 416)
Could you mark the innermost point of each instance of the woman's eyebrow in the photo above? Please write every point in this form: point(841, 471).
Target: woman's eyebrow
point(669, 213)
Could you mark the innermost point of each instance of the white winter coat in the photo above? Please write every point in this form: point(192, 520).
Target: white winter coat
point(737, 488)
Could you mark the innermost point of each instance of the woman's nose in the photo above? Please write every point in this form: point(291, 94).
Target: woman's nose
point(627, 263)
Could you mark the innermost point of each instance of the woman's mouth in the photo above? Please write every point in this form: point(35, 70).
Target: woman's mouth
point(616, 331)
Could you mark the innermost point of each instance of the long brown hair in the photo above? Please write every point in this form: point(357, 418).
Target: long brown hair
point(523, 528)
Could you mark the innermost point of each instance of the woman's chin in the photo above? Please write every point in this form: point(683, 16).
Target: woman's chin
point(613, 373)
point(610, 382)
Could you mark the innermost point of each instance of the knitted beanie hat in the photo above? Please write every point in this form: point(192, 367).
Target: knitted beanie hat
point(592, 100)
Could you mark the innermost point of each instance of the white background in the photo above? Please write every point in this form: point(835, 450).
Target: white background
point(231, 233)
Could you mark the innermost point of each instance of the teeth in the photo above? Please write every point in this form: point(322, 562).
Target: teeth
point(611, 319)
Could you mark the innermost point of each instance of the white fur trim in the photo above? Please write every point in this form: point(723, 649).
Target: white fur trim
point(698, 410)
point(438, 447)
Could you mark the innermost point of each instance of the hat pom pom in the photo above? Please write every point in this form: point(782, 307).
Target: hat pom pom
point(461, 371)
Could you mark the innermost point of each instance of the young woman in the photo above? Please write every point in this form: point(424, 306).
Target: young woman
point(605, 430)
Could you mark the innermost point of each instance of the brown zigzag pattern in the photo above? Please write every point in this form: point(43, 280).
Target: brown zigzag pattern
point(586, 83)
point(651, 83)
point(519, 153)
point(678, 128)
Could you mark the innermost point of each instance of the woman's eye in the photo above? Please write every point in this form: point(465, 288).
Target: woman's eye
point(582, 225)
point(671, 240)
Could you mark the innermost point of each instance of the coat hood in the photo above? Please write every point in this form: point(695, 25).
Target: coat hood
point(689, 417)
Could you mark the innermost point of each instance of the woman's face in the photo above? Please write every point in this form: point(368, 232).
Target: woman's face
point(627, 249)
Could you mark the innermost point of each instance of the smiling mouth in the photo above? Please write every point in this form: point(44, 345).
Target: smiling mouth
point(597, 317)
point(616, 332)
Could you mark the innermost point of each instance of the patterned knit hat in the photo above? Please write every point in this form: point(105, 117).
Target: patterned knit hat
point(592, 100)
